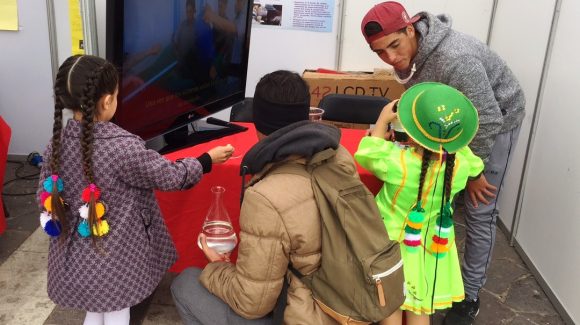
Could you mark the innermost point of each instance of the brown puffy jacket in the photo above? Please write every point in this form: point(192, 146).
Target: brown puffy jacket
point(280, 223)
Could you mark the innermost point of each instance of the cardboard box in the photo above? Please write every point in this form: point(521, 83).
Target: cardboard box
point(377, 83)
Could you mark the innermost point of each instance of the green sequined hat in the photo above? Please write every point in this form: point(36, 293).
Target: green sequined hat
point(438, 117)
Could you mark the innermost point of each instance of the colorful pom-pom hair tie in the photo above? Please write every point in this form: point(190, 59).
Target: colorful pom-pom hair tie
point(48, 220)
point(415, 219)
point(101, 227)
point(444, 222)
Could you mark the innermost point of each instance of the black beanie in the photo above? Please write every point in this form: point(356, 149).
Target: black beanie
point(270, 116)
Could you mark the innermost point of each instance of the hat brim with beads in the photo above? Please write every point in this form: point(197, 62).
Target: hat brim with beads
point(438, 117)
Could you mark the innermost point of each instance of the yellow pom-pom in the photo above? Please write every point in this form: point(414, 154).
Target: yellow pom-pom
point(438, 248)
point(101, 228)
point(414, 225)
point(48, 203)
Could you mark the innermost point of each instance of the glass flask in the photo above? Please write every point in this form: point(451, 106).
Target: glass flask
point(217, 226)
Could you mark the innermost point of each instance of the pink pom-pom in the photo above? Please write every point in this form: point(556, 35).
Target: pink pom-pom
point(412, 243)
point(43, 196)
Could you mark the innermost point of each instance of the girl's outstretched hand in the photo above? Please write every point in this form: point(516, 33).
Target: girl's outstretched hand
point(221, 154)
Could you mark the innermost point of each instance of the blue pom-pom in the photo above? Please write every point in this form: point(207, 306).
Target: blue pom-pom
point(83, 229)
point(47, 184)
point(53, 228)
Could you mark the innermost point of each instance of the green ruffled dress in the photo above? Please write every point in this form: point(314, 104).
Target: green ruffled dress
point(400, 170)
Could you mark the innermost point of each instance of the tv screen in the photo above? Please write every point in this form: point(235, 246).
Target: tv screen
point(180, 60)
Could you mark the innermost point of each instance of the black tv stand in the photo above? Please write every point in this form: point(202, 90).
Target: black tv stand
point(188, 135)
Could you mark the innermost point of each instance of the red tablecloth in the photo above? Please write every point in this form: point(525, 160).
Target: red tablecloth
point(184, 211)
point(4, 142)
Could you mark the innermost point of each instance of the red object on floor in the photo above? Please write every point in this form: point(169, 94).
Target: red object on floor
point(5, 133)
point(184, 211)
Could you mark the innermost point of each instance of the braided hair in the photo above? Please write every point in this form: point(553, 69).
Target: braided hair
point(424, 166)
point(448, 179)
point(448, 176)
point(80, 82)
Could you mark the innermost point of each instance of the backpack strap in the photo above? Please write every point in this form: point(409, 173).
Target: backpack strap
point(295, 272)
point(306, 171)
point(278, 312)
point(322, 156)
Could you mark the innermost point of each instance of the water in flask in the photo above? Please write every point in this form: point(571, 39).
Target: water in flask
point(217, 226)
point(219, 236)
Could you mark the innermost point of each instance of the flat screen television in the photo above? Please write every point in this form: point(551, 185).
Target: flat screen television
point(180, 61)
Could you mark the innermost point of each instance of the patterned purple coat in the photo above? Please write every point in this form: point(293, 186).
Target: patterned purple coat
point(131, 259)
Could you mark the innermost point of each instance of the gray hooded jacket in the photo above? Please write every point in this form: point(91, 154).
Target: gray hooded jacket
point(461, 61)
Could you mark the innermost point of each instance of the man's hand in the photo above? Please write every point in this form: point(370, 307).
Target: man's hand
point(478, 189)
point(210, 253)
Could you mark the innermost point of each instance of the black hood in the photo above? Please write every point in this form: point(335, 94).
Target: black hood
point(303, 139)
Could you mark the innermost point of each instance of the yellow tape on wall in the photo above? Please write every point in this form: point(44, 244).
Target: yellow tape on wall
point(8, 15)
point(76, 27)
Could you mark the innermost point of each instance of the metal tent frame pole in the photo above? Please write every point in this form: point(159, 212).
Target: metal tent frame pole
point(52, 41)
point(89, 18)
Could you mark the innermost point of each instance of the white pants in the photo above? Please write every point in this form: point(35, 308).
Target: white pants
point(119, 317)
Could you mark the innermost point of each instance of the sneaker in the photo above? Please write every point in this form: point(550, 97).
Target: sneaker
point(462, 313)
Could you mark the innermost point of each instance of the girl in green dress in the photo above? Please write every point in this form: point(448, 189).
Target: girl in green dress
point(420, 182)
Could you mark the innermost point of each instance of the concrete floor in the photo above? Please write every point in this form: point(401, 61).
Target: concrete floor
point(511, 295)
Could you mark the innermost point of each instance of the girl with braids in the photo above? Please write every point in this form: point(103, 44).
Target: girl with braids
point(109, 246)
point(420, 183)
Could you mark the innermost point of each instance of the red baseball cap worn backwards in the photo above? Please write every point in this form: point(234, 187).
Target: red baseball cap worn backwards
point(390, 15)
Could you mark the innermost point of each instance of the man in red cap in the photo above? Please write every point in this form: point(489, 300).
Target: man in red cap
point(425, 48)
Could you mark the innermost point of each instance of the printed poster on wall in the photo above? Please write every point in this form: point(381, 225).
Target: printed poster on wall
point(310, 15)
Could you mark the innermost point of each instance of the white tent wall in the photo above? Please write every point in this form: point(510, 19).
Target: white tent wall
point(550, 216)
point(26, 79)
point(506, 39)
point(535, 240)
point(471, 17)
